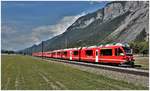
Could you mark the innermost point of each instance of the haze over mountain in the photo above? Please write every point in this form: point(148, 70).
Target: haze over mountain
point(118, 21)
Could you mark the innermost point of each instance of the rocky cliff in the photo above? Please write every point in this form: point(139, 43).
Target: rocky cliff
point(118, 21)
point(135, 24)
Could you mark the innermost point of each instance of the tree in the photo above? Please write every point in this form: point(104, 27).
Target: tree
point(140, 47)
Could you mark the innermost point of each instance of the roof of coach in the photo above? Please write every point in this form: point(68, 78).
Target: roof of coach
point(89, 47)
point(114, 45)
point(70, 49)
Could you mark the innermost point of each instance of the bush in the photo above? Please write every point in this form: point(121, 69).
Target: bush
point(140, 47)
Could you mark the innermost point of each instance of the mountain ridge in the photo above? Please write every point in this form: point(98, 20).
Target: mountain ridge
point(113, 23)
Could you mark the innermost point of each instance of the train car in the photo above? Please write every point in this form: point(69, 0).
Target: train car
point(53, 54)
point(34, 54)
point(58, 54)
point(66, 54)
point(48, 54)
point(88, 54)
point(76, 54)
point(113, 54)
point(44, 54)
point(39, 54)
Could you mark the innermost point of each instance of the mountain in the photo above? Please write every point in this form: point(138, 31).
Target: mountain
point(118, 21)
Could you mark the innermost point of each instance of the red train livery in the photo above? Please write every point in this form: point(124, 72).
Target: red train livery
point(113, 54)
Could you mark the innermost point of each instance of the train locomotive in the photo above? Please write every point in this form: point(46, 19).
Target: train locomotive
point(118, 54)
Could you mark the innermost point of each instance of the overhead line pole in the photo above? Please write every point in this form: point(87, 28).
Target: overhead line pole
point(42, 49)
point(66, 42)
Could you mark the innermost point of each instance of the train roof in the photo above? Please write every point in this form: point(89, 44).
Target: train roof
point(89, 47)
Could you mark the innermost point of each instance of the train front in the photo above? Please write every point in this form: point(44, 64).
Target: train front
point(128, 55)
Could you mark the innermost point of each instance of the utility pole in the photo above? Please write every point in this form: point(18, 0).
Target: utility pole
point(31, 51)
point(42, 49)
point(79, 42)
point(66, 42)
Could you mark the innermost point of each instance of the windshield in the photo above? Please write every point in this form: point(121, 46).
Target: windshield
point(127, 50)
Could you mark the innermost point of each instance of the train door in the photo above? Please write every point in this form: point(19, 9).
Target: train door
point(70, 55)
point(96, 55)
point(56, 55)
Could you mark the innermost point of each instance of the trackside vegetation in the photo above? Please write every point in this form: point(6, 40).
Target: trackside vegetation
point(28, 73)
point(140, 47)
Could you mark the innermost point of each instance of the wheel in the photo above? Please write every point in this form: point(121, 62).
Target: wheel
point(132, 64)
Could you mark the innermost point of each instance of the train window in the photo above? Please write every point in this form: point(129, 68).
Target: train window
point(75, 53)
point(106, 52)
point(118, 52)
point(65, 53)
point(58, 53)
point(89, 52)
point(96, 53)
point(53, 53)
point(127, 50)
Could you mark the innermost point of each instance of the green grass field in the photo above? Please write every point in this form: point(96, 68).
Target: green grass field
point(24, 72)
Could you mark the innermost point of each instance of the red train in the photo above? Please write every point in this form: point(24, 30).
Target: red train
point(113, 54)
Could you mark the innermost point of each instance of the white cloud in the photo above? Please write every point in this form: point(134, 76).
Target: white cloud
point(15, 39)
point(48, 31)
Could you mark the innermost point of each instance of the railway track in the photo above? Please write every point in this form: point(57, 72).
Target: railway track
point(105, 67)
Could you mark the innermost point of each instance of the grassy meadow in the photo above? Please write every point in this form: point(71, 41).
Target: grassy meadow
point(28, 73)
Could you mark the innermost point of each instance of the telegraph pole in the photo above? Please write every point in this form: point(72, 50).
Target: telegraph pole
point(31, 51)
point(42, 49)
point(80, 49)
point(66, 42)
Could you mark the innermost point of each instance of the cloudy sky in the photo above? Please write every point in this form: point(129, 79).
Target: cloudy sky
point(25, 23)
